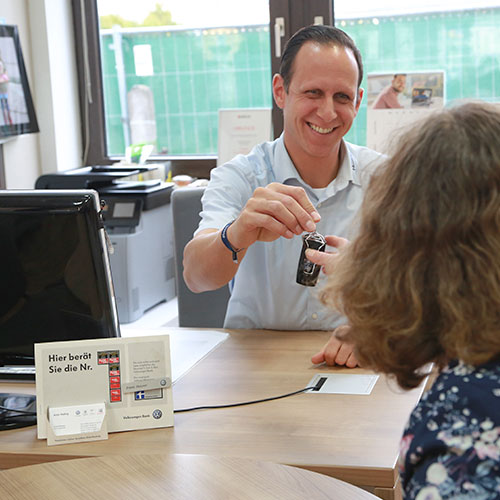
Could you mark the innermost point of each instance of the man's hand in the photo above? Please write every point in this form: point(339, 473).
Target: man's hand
point(273, 211)
point(336, 352)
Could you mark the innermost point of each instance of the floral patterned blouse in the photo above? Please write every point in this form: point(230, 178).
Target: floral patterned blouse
point(451, 445)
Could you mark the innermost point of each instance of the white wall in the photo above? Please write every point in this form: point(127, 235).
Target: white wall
point(46, 33)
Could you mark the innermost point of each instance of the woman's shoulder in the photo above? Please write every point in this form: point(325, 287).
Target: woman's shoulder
point(451, 445)
point(461, 397)
point(468, 383)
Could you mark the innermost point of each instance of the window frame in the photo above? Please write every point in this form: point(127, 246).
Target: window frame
point(3, 184)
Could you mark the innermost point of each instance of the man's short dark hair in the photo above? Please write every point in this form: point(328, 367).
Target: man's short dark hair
point(322, 35)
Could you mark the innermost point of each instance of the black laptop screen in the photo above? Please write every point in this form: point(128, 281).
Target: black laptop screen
point(54, 272)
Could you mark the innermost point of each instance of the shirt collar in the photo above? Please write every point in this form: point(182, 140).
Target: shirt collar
point(286, 173)
point(284, 169)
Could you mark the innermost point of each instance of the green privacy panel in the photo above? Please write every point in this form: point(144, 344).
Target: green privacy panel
point(463, 44)
point(198, 71)
point(195, 73)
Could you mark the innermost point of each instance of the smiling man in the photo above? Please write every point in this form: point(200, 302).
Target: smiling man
point(257, 206)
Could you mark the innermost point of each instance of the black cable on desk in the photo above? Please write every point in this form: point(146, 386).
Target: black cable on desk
point(231, 405)
point(182, 410)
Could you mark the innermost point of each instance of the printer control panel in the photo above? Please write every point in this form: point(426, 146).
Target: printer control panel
point(121, 212)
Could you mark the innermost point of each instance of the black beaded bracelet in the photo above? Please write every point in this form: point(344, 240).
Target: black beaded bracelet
point(223, 236)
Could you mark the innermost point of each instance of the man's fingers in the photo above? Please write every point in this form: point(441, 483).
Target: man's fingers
point(296, 200)
point(271, 215)
point(299, 194)
point(273, 226)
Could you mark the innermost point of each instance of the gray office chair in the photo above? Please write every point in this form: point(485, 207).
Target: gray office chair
point(206, 309)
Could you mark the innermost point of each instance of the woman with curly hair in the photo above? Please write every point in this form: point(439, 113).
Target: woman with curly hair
point(420, 284)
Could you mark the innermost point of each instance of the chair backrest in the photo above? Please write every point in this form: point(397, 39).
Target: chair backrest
point(206, 309)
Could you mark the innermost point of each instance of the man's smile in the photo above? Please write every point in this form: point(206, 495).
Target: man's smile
point(320, 130)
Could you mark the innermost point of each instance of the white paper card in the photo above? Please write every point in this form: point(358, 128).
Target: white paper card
point(85, 437)
point(344, 383)
point(143, 60)
point(77, 419)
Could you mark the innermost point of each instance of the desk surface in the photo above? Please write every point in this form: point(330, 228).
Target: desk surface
point(353, 438)
point(171, 476)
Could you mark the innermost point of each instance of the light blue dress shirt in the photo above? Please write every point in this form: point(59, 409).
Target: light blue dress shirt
point(265, 294)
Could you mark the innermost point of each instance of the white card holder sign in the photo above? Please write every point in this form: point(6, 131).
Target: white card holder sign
point(240, 130)
point(88, 388)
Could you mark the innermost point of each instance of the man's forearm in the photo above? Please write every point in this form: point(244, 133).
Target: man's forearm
point(272, 212)
point(208, 264)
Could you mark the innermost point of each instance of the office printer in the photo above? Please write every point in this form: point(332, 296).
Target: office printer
point(138, 219)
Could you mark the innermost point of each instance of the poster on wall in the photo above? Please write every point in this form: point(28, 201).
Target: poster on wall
point(398, 100)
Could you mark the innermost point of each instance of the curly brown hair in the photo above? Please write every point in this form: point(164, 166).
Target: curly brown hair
point(421, 281)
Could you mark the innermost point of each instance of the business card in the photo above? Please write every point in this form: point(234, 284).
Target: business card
point(76, 423)
point(77, 419)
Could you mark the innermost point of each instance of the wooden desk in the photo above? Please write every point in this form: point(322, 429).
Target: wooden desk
point(352, 438)
point(171, 476)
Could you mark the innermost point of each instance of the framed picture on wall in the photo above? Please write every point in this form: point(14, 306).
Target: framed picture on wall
point(17, 113)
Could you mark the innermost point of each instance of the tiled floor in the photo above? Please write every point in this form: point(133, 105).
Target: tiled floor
point(164, 314)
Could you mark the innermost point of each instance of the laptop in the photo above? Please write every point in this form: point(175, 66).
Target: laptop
point(55, 275)
point(421, 97)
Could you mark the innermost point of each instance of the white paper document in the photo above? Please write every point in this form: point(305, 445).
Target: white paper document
point(187, 347)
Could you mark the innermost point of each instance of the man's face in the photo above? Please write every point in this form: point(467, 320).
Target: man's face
point(399, 83)
point(321, 102)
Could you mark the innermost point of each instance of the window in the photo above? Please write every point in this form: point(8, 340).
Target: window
point(191, 71)
point(165, 84)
